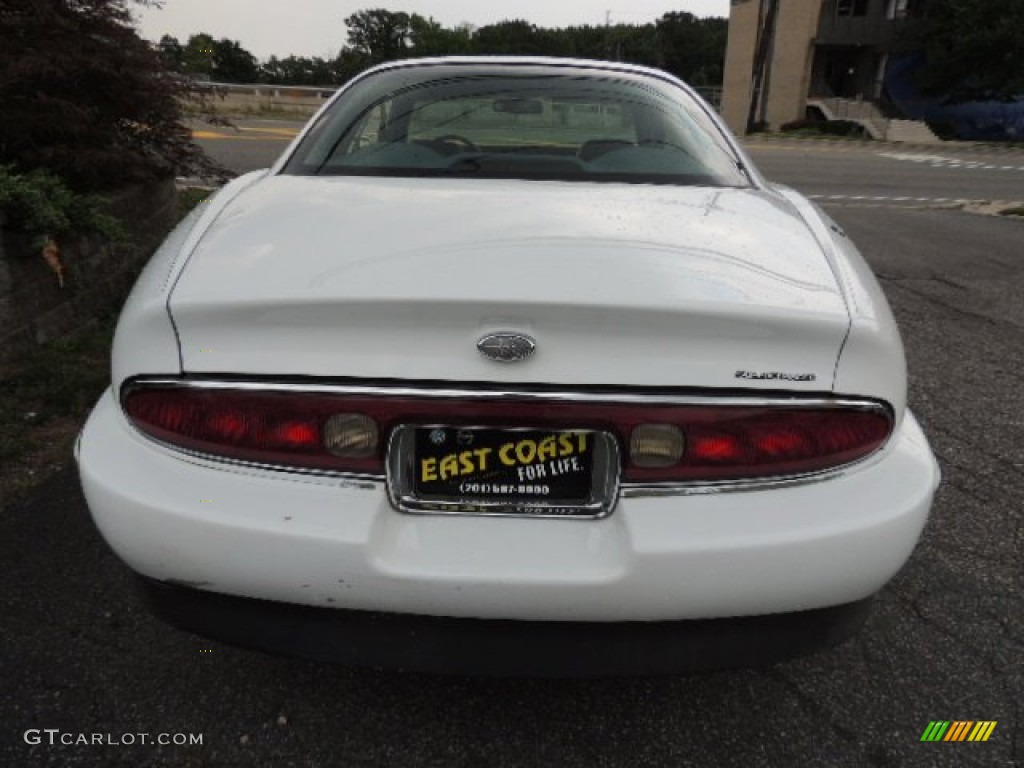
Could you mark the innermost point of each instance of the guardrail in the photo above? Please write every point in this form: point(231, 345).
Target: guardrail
point(304, 97)
point(321, 92)
point(263, 98)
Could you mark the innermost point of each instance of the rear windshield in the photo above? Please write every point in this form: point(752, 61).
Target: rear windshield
point(517, 122)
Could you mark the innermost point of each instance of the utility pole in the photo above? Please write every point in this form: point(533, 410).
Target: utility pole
point(607, 34)
point(765, 44)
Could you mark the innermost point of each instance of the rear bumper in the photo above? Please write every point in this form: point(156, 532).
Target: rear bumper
point(340, 545)
point(502, 648)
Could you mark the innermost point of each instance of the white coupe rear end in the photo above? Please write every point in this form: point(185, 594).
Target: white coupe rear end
point(510, 365)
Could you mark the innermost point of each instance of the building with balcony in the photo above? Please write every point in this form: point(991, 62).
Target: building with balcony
point(832, 55)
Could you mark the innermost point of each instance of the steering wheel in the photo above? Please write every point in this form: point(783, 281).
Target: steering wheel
point(460, 141)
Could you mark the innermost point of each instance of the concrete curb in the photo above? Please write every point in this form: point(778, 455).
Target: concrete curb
point(995, 208)
point(949, 146)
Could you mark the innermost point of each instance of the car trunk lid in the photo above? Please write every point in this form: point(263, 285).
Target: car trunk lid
point(630, 285)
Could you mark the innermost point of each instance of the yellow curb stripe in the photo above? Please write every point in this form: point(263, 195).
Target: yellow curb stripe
point(214, 136)
point(289, 132)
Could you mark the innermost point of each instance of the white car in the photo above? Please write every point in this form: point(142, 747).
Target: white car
point(510, 366)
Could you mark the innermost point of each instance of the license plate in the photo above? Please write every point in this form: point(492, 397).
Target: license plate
point(481, 470)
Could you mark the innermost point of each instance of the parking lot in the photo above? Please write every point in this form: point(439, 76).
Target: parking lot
point(945, 641)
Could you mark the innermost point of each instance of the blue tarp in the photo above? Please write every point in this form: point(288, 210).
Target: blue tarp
point(972, 121)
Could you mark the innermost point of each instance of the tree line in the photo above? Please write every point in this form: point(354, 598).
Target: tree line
point(973, 50)
point(691, 48)
point(84, 97)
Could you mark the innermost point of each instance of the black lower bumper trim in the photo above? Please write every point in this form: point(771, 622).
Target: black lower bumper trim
point(501, 647)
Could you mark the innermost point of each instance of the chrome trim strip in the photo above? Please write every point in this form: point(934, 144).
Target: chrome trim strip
point(648, 490)
point(794, 401)
point(215, 461)
point(625, 489)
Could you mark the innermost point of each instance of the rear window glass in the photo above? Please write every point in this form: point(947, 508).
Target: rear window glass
point(517, 122)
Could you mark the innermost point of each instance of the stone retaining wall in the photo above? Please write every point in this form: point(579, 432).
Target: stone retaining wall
point(34, 308)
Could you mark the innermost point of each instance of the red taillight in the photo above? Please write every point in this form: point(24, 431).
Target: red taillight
point(296, 435)
point(265, 428)
point(782, 441)
point(660, 442)
point(715, 448)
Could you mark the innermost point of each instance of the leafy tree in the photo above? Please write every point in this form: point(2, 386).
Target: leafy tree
point(974, 49)
point(692, 49)
point(277, 71)
point(198, 55)
point(347, 65)
point(428, 38)
point(685, 45)
point(379, 35)
point(633, 43)
point(85, 97)
point(589, 42)
point(222, 60)
point(298, 70)
point(233, 64)
point(520, 37)
point(173, 52)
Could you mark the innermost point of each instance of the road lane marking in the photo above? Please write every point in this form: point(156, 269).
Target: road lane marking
point(267, 134)
point(879, 201)
point(289, 132)
point(943, 161)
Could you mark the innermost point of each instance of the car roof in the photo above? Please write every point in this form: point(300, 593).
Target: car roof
point(539, 61)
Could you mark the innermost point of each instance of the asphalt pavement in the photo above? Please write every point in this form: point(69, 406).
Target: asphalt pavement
point(945, 641)
point(892, 174)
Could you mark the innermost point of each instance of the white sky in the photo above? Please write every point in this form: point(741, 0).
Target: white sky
point(317, 27)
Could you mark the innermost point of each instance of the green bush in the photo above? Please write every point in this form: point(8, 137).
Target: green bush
point(40, 205)
point(842, 128)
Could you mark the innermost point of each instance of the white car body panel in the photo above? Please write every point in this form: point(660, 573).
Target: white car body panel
point(366, 277)
point(872, 362)
point(146, 340)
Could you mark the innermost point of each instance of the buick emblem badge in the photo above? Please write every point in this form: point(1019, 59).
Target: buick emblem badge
point(506, 347)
